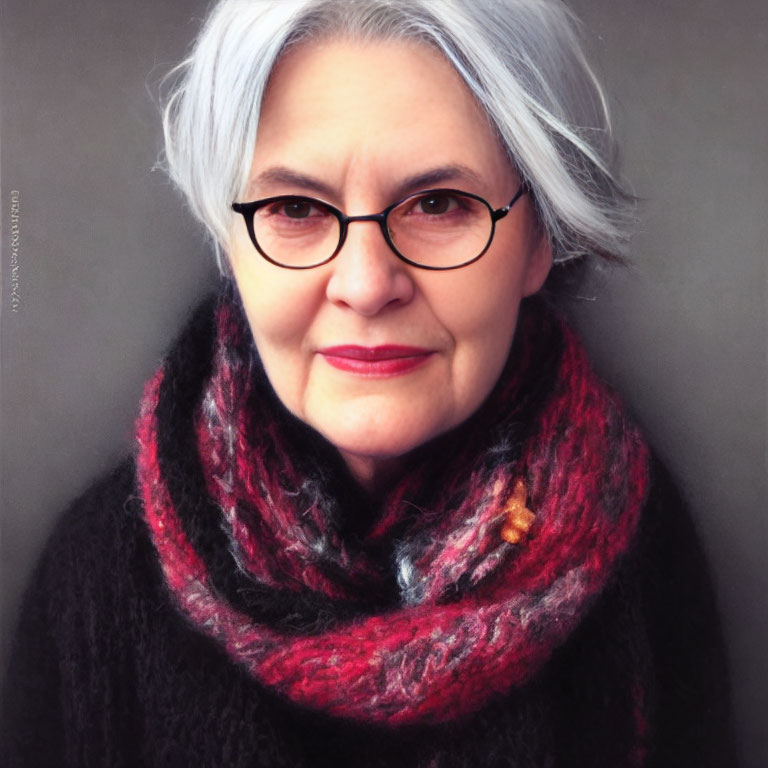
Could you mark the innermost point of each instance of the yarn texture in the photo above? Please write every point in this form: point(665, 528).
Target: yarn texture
point(528, 593)
point(444, 651)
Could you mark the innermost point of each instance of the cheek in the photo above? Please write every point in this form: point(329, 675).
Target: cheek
point(278, 320)
point(278, 334)
point(278, 302)
point(280, 309)
point(479, 311)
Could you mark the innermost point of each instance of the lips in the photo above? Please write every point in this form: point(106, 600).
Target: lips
point(385, 360)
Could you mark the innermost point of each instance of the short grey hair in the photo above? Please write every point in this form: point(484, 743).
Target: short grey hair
point(522, 60)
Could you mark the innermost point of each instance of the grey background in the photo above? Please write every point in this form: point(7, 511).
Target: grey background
point(110, 262)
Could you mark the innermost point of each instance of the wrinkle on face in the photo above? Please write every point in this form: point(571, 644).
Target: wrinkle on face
point(332, 127)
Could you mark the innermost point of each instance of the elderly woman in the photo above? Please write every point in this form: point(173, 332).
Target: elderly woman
point(381, 511)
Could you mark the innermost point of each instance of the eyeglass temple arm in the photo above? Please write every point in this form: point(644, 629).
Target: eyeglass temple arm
point(502, 212)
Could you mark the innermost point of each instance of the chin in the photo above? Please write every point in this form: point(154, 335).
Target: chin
point(379, 434)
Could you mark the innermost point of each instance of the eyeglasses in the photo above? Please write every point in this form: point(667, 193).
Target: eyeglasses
point(434, 229)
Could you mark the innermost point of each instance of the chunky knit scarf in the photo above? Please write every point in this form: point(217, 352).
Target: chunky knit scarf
point(421, 606)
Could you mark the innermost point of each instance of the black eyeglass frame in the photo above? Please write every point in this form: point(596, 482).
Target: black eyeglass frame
point(248, 211)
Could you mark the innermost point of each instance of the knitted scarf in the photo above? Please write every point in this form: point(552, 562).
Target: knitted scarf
point(423, 605)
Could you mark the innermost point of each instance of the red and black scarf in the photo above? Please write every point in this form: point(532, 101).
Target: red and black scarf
point(415, 607)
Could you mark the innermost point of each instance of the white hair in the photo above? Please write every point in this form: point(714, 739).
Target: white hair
point(522, 60)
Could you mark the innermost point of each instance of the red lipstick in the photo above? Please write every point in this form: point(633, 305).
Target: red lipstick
point(385, 360)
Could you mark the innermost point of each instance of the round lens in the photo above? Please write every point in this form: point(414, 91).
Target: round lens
point(440, 228)
point(296, 232)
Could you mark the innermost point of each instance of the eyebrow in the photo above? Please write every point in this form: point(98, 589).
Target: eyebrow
point(280, 174)
point(437, 176)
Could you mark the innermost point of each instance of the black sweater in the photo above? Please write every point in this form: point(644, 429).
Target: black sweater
point(105, 672)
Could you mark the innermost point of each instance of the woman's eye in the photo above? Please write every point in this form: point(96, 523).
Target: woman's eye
point(436, 204)
point(295, 209)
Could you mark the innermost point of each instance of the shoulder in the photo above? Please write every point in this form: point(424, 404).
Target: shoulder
point(684, 632)
point(676, 585)
point(97, 560)
point(74, 639)
point(671, 552)
point(99, 524)
point(105, 503)
point(665, 509)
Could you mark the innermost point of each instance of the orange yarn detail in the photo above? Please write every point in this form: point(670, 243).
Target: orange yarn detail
point(519, 517)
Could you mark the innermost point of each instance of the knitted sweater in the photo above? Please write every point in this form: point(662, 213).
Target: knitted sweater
point(105, 671)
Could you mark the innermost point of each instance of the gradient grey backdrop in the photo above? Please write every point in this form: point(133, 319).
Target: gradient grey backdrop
point(109, 262)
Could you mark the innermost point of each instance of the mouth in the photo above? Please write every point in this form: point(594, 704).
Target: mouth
point(382, 361)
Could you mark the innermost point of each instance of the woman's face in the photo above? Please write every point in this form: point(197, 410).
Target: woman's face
point(350, 122)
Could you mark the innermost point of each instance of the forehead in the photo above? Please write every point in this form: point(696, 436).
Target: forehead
point(381, 105)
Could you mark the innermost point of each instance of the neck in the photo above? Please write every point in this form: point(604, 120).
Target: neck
point(373, 474)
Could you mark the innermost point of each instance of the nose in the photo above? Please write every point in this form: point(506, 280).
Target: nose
point(367, 276)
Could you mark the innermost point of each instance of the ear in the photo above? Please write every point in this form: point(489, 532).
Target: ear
point(539, 262)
